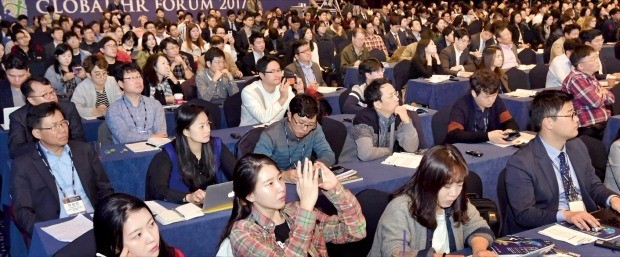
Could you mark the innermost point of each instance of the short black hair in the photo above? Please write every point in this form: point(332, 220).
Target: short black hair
point(126, 67)
point(22, 17)
point(105, 40)
point(15, 32)
point(579, 53)
point(164, 43)
point(261, 64)
point(26, 87)
point(299, 43)
point(547, 103)
point(304, 105)
point(15, 61)
point(68, 35)
point(213, 53)
point(369, 65)
point(460, 33)
point(571, 44)
point(570, 27)
point(216, 40)
point(38, 112)
point(372, 93)
point(255, 36)
point(446, 31)
point(589, 35)
point(484, 80)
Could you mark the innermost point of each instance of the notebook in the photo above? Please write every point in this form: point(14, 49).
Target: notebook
point(608, 217)
point(218, 197)
point(7, 112)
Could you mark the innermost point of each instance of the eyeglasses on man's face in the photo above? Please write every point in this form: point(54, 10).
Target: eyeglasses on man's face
point(49, 95)
point(572, 115)
point(304, 125)
point(57, 126)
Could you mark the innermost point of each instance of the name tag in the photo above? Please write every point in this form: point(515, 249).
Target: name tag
point(143, 132)
point(576, 206)
point(73, 205)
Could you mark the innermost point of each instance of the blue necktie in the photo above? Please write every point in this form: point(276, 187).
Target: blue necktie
point(569, 189)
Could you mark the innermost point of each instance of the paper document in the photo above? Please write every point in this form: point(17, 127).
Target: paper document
point(412, 108)
point(89, 118)
point(183, 212)
point(559, 232)
point(540, 51)
point(407, 160)
point(151, 145)
point(327, 90)
point(523, 139)
point(522, 93)
point(526, 66)
point(69, 230)
point(438, 78)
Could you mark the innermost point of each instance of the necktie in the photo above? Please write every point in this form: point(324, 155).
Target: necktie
point(569, 189)
point(397, 39)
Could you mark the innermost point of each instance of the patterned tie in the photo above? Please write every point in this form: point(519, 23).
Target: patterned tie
point(569, 189)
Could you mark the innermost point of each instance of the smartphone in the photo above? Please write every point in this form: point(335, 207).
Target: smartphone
point(337, 170)
point(512, 136)
point(320, 175)
point(290, 79)
point(475, 153)
point(230, 33)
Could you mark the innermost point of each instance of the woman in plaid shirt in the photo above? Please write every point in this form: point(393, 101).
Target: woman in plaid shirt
point(262, 224)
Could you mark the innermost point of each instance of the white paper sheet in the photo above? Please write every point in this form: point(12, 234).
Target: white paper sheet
point(525, 67)
point(559, 232)
point(327, 90)
point(438, 78)
point(69, 230)
point(523, 139)
point(407, 160)
point(522, 93)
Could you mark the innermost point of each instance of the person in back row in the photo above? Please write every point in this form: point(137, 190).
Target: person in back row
point(194, 160)
point(385, 126)
point(481, 116)
point(134, 117)
point(296, 137)
point(370, 69)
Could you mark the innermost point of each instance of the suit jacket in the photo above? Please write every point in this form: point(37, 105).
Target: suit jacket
point(475, 43)
point(35, 194)
point(7, 97)
point(448, 60)
point(289, 35)
point(295, 68)
point(279, 48)
point(228, 28)
point(533, 190)
point(390, 41)
point(48, 54)
point(248, 64)
point(21, 140)
point(242, 42)
point(441, 43)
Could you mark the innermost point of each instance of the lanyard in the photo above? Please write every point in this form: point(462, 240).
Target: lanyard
point(44, 159)
point(288, 147)
point(572, 189)
point(132, 118)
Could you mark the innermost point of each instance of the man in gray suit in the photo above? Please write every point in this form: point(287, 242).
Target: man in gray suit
point(551, 179)
point(480, 41)
point(455, 59)
point(303, 67)
point(509, 49)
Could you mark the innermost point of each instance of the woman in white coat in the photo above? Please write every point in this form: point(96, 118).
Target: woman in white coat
point(93, 95)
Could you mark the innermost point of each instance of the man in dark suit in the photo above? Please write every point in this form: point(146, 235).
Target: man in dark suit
point(481, 40)
point(446, 39)
point(242, 44)
point(248, 63)
point(45, 175)
point(230, 24)
point(395, 38)
point(38, 91)
point(49, 49)
point(462, 66)
point(294, 32)
point(551, 179)
point(303, 66)
point(17, 71)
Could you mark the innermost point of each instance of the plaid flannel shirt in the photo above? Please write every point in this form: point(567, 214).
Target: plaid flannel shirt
point(309, 230)
point(375, 41)
point(590, 106)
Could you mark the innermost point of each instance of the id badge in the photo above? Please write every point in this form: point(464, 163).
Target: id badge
point(143, 132)
point(576, 206)
point(73, 205)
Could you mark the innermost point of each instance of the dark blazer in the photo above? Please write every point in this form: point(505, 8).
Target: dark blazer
point(7, 97)
point(21, 140)
point(35, 194)
point(295, 68)
point(289, 35)
point(533, 190)
point(227, 26)
point(475, 43)
point(279, 48)
point(48, 53)
point(440, 42)
point(390, 41)
point(248, 64)
point(242, 42)
point(448, 60)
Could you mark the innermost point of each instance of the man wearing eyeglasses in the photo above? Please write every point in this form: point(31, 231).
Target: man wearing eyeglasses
point(384, 126)
point(591, 99)
point(481, 115)
point(551, 179)
point(296, 137)
point(59, 177)
point(455, 59)
point(266, 100)
point(303, 67)
point(39, 90)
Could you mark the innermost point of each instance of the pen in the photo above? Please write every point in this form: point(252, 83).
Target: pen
point(149, 144)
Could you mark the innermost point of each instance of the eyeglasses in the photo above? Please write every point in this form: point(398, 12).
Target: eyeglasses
point(49, 95)
point(394, 95)
point(100, 74)
point(133, 78)
point(56, 126)
point(109, 45)
point(304, 126)
point(571, 115)
point(274, 71)
point(304, 51)
point(172, 48)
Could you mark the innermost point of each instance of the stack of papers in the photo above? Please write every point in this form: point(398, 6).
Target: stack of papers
point(150, 145)
point(407, 160)
point(438, 78)
point(184, 212)
point(569, 233)
point(522, 93)
point(327, 90)
point(526, 66)
point(70, 230)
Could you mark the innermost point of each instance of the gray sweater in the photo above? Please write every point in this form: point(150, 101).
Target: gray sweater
point(396, 218)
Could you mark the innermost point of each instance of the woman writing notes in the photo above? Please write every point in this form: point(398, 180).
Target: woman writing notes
point(186, 166)
point(430, 215)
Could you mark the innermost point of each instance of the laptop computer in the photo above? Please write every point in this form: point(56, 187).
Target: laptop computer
point(6, 112)
point(608, 217)
point(218, 197)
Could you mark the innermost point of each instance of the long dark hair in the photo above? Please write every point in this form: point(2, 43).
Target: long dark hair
point(109, 218)
point(145, 37)
point(61, 49)
point(440, 166)
point(244, 183)
point(488, 59)
point(194, 179)
point(420, 50)
point(149, 72)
